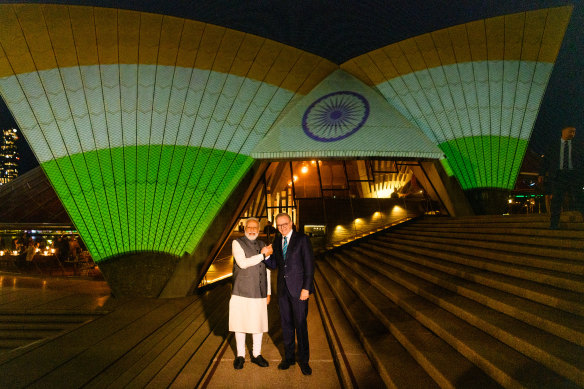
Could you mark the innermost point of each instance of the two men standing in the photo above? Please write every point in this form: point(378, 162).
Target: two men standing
point(292, 255)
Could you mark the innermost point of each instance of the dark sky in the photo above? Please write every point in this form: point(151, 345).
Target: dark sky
point(343, 29)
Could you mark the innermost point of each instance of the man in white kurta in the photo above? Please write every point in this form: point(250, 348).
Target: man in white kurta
point(248, 307)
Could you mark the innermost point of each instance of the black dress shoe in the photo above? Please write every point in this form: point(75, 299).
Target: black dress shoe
point(238, 363)
point(260, 361)
point(285, 364)
point(305, 368)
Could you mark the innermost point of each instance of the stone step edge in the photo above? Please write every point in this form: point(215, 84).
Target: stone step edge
point(570, 306)
point(497, 370)
point(421, 374)
point(541, 251)
point(541, 271)
point(546, 324)
point(552, 277)
point(141, 352)
point(482, 317)
point(342, 366)
point(505, 236)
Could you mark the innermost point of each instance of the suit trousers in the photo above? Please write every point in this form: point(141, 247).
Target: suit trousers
point(293, 313)
point(566, 182)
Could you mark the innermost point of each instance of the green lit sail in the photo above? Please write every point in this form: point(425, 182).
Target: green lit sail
point(118, 200)
point(485, 161)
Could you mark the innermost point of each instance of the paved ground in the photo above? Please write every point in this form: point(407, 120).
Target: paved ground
point(323, 370)
point(36, 295)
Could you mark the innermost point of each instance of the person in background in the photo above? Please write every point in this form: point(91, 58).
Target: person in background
point(269, 229)
point(30, 252)
point(563, 165)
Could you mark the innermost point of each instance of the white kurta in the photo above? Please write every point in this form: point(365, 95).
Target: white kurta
point(248, 315)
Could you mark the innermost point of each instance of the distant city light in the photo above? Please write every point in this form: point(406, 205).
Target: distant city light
point(8, 155)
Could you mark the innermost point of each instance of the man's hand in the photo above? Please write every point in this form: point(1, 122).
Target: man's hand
point(304, 294)
point(268, 299)
point(267, 250)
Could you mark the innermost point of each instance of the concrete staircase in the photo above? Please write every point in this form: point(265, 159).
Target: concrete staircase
point(20, 329)
point(466, 302)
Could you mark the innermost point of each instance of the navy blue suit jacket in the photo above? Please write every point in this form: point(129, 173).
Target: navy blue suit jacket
point(551, 159)
point(297, 272)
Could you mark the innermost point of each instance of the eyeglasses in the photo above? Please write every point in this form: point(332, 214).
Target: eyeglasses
point(282, 225)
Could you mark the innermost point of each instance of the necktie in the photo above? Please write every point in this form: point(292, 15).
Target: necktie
point(285, 247)
point(566, 164)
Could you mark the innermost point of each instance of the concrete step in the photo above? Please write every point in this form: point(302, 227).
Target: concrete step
point(494, 228)
point(494, 242)
point(440, 360)
point(495, 261)
point(18, 330)
point(560, 323)
point(498, 360)
point(353, 365)
point(189, 326)
point(34, 334)
point(554, 352)
point(531, 238)
point(10, 344)
point(39, 326)
point(409, 341)
point(470, 270)
point(394, 364)
point(566, 217)
point(51, 317)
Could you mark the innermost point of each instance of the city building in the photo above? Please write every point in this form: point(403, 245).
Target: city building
point(8, 155)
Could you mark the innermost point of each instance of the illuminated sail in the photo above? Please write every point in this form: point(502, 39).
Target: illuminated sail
point(474, 89)
point(143, 123)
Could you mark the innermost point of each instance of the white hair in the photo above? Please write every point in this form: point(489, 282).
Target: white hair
point(252, 219)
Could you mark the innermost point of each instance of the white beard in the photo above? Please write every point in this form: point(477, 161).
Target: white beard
point(251, 236)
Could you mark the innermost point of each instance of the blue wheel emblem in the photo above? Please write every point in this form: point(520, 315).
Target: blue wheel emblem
point(335, 116)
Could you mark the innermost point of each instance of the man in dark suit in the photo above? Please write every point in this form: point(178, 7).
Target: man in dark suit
point(295, 261)
point(563, 165)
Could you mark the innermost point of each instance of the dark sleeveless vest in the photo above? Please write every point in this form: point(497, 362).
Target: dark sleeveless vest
point(250, 282)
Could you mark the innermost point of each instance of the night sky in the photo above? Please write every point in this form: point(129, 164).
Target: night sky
point(343, 29)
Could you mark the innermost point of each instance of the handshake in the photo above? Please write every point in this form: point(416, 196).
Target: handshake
point(267, 251)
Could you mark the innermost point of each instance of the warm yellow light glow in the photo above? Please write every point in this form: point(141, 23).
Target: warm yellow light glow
point(313, 162)
point(219, 278)
point(384, 193)
point(14, 252)
point(510, 201)
point(397, 209)
point(377, 214)
point(1, 253)
point(358, 220)
point(304, 169)
point(295, 178)
point(339, 227)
